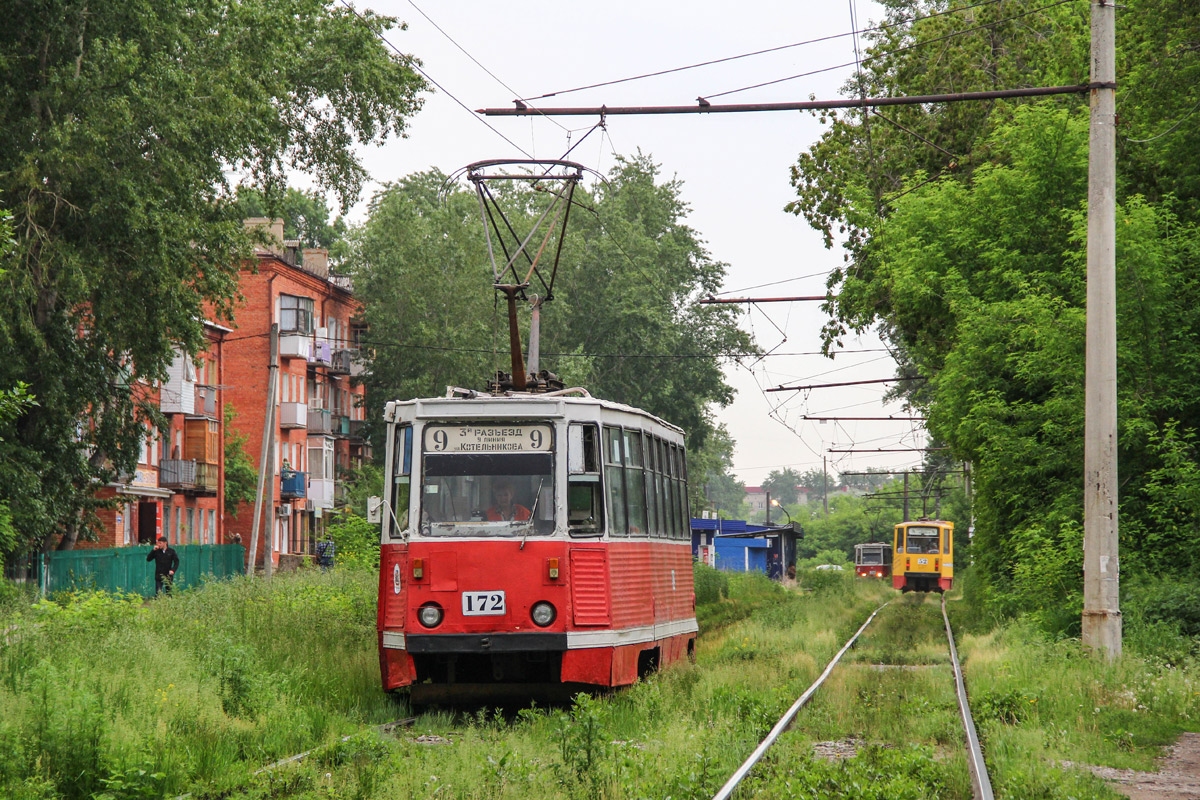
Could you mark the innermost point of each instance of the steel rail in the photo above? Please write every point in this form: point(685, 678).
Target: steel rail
point(785, 721)
point(981, 784)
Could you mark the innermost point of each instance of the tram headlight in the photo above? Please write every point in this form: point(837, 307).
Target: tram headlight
point(430, 615)
point(542, 614)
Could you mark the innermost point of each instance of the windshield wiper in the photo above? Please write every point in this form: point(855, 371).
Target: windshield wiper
point(532, 513)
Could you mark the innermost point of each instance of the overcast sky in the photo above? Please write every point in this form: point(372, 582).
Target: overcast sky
point(734, 169)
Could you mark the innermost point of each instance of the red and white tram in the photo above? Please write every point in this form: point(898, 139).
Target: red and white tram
point(531, 541)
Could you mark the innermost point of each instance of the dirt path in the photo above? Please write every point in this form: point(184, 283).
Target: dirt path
point(1178, 776)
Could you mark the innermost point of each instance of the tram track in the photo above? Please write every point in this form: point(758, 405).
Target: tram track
point(981, 787)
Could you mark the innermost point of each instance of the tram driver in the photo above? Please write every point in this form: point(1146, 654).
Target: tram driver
point(503, 508)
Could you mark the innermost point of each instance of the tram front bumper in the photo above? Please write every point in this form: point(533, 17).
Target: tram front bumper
point(436, 643)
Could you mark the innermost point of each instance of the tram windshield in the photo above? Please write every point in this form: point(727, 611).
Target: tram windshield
point(870, 556)
point(487, 480)
point(921, 539)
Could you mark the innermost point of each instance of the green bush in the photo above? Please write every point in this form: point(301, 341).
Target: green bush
point(826, 580)
point(357, 541)
point(712, 586)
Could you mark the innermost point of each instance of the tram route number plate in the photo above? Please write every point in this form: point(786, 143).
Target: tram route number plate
point(923, 561)
point(478, 604)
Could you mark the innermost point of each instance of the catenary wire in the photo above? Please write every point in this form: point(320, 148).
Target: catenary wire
point(902, 49)
point(1169, 130)
point(759, 52)
point(774, 283)
point(409, 346)
point(413, 63)
point(473, 59)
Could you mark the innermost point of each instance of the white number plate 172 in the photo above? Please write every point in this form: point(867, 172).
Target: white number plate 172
point(476, 604)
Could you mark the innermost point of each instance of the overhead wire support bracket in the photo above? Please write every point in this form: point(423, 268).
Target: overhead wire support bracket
point(842, 383)
point(705, 107)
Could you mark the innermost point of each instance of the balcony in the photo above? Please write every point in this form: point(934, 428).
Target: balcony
point(291, 484)
point(322, 352)
point(293, 415)
point(358, 428)
point(342, 362)
point(295, 345)
point(177, 474)
point(320, 421)
point(340, 425)
point(205, 401)
point(320, 492)
point(206, 477)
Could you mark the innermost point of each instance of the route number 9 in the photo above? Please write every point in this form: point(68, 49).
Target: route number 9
point(440, 440)
point(535, 439)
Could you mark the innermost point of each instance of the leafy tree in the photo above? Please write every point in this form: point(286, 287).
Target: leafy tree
point(361, 483)
point(305, 216)
point(623, 322)
point(241, 477)
point(117, 126)
point(710, 469)
point(782, 485)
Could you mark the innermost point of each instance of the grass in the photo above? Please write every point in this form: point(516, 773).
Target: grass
point(107, 698)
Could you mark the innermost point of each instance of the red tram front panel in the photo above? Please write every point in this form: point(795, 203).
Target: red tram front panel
point(612, 602)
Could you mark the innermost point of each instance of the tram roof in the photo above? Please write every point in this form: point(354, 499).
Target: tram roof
point(512, 404)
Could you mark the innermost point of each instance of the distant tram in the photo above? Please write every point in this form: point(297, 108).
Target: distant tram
point(873, 560)
point(924, 556)
point(531, 542)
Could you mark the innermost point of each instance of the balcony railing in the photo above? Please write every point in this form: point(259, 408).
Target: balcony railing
point(319, 420)
point(295, 345)
point(291, 484)
point(341, 362)
point(321, 492)
point(206, 477)
point(358, 428)
point(340, 425)
point(293, 415)
point(176, 473)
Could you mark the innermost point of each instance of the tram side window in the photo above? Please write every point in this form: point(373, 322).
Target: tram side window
point(635, 483)
point(585, 503)
point(614, 475)
point(661, 506)
point(401, 483)
point(673, 493)
point(664, 479)
point(653, 523)
point(685, 531)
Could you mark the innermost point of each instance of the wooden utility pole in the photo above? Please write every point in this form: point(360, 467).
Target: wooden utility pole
point(1101, 570)
point(266, 455)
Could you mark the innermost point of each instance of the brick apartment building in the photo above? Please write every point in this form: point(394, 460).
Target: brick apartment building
point(177, 489)
point(319, 413)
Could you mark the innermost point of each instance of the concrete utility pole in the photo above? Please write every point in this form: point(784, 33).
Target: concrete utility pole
point(1101, 570)
point(825, 484)
point(266, 454)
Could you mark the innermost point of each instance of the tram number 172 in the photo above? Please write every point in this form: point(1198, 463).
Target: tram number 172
point(475, 604)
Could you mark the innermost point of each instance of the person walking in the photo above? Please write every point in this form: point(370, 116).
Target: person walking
point(166, 561)
point(326, 549)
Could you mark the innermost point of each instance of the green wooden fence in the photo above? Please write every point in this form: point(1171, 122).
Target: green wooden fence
point(125, 569)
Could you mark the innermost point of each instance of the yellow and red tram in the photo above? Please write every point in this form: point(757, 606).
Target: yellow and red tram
point(531, 541)
point(923, 559)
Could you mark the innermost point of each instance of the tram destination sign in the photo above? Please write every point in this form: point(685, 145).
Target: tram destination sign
point(488, 438)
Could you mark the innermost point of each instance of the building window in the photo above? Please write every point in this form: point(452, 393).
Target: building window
point(295, 314)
